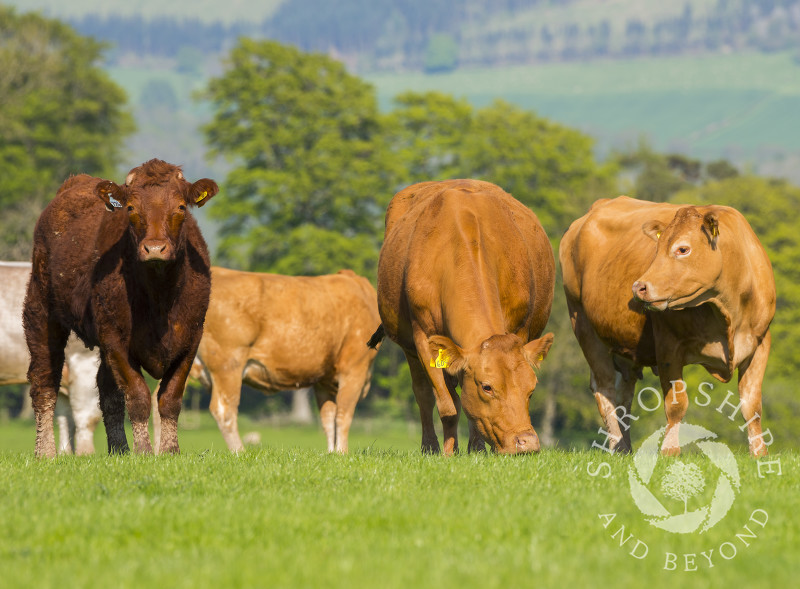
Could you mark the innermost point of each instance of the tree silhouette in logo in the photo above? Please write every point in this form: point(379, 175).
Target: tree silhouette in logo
point(682, 482)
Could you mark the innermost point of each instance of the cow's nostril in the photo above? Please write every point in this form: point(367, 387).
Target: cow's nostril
point(527, 442)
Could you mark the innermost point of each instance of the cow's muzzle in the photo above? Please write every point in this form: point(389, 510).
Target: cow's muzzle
point(521, 443)
point(155, 251)
point(643, 291)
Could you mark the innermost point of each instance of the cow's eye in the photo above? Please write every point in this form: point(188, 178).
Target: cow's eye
point(487, 388)
point(682, 250)
point(181, 207)
point(130, 208)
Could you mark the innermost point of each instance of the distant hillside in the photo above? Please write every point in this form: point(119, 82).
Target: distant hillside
point(440, 35)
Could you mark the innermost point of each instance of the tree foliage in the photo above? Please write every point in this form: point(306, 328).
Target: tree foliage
point(61, 115)
point(547, 166)
point(310, 166)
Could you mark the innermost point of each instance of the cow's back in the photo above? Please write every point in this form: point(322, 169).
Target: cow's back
point(602, 250)
point(295, 326)
point(438, 236)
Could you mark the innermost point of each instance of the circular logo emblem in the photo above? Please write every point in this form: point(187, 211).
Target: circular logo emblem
point(681, 481)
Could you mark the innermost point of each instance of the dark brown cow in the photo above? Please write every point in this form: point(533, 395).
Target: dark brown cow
point(127, 269)
point(465, 286)
point(666, 285)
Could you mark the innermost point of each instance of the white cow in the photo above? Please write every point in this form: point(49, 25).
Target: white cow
point(80, 366)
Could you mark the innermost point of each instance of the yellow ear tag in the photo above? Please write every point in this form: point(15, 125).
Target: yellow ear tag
point(440, 361)
point(540, 357)
point(658, 234)
point(202, 196)
point(714, 231)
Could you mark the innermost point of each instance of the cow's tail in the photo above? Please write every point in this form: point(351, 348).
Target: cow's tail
point(376, 338)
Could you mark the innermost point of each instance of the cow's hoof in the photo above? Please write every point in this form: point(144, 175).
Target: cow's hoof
point(622, 448)
point(430, 447)
point(671, 451)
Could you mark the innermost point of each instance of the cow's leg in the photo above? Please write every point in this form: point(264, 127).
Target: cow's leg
point(226, 391)
point(170, 400)
point(46, 341)
point(326, 401)
point(751, 375)
point(136, 395)
point(66, 425)
point(448, 402)
point(112, 406)
point(476, 443)
point(602, 375)
point(353, 386)
point(156, 420)
point(450, 426)
point(423, 393)
point(676, 402)
point(83, 400)
point(627, 387)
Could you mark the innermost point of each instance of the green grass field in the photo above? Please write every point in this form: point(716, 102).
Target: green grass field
point(286, 514)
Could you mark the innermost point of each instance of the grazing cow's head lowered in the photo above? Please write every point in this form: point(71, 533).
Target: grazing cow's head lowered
point(155, 197)
point(497, 380)
point(687, 263)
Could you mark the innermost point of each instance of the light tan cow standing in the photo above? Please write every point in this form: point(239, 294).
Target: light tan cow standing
point(274, 333)
point(664, 285)
point(77, 409)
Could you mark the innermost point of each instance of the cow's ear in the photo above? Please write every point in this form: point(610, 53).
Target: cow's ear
point(113, 196)
point(202, 191)
point(653, 229)
point(446, 354)
point(711, 227)
point(536, 350)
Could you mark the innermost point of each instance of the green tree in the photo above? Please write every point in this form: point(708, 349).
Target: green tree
point(312, 176)
point(548, 167)
point(426, 133)
point(61, 115)
point(656, 177)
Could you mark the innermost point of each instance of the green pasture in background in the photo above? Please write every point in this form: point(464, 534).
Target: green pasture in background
point(738, 106)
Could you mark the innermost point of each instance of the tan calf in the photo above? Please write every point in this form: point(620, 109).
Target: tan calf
point(275, 333)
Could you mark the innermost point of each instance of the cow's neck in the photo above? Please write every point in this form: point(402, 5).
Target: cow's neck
point(473, 312)
point(734, 317)
point(158, 284)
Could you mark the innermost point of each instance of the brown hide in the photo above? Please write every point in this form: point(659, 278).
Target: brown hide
point(275, 332)
point(468, 270)
point(127, 269)
point(666, 285)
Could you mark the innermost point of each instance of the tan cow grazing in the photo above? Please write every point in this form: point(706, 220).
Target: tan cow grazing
point(274, 333)
point(664, 285)
point(465, 285)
